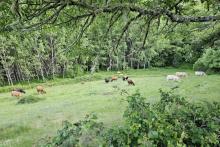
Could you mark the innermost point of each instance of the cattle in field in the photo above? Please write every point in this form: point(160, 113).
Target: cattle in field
point(200, 73)
point(19, 90)
point(125, 78)
point(173, 78)
point(16, 94)
point(107, 80)
point(114, 78)
point(40, 90)
point(181, 74)
point(130, 82)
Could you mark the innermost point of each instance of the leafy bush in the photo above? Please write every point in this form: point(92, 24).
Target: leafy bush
point(210, 60)
point(84, 132)
point(170, 122)
point(29, 99)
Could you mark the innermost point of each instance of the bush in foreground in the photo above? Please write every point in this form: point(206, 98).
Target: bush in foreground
point(170, 122)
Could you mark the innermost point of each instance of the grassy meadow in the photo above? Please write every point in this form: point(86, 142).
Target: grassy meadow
point(25, 125)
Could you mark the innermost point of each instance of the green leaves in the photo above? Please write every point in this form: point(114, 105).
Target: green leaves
point(210, 60)
point(172, 121)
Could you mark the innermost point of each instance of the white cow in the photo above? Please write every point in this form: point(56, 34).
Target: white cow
point(200, 73)
point(173, 78)
point(181, 74)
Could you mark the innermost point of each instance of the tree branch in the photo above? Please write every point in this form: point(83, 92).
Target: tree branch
point(46, 21)
point(113, 20)
point(87, 23)
point(59, 5)
point(126, 28)
point(147, 31)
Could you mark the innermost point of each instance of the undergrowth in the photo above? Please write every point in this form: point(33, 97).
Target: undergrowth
point(172, 121)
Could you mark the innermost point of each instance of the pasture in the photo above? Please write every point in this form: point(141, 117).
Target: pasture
point(27, 124)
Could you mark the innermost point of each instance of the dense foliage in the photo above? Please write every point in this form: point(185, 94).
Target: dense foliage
point(210, 60)
point(47, 39)
point(170, 122)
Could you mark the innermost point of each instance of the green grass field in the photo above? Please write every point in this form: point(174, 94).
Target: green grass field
point(25, 125)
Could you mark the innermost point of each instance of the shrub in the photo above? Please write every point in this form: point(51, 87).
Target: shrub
point(210, 60)
point(86, 131)
point(170, 122)
point(29, 99)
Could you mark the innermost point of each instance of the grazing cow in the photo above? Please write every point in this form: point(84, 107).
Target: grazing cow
point(114, 78)
point(173, 77)
point(40, 90)
point(125, 78)
point(181, 74)
point(107, 80)
point(16, 93)
point(130, 82)
point(19, 90)
point(200, 73)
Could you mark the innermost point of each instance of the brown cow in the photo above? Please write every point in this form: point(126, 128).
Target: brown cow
point(40, 90)
point(130, 82)
point(16, 94)
point(114, 78)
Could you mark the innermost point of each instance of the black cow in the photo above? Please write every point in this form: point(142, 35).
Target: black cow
point(19, 90)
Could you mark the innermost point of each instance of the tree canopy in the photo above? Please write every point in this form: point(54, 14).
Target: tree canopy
point(67, 37)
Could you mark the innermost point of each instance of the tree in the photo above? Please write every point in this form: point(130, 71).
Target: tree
point(54, 38)
point(34, 14)
point(6, 58)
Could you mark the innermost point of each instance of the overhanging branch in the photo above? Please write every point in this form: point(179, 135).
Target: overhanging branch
point(40, 9)
point(126, 28)
point(122, 7)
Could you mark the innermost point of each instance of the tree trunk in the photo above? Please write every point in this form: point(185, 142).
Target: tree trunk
point(131, 63)
point(124, 62)
point(64, 70)
point(10, 82)
point(148, 64)
point(52, 56)
point(117, 62)
point(36, 72)
point(41, 67)
point(110, 63)
point(42, 72)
